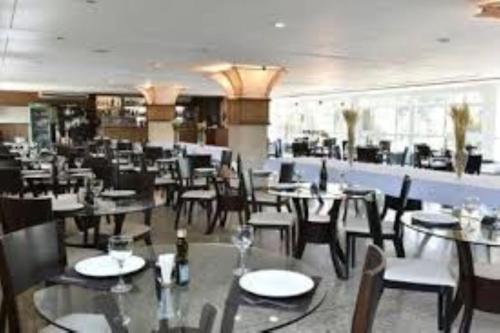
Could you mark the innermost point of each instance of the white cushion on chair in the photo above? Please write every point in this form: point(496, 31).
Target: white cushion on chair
point(318, 218)
point(264, 197)
point(363, 228)
point(271, 219)
point(419, 271)
point(81, 322)
point(199, 194)
point(487, 271)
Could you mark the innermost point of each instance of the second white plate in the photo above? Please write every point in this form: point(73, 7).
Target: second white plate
point(105, 266)
point(276, 283)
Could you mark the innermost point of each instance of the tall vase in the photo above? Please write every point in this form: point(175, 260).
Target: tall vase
point(350, 145)
point(176, 136)
point(460, 160)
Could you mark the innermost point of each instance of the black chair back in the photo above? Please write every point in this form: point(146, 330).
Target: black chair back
point(152, 153)
point(200, 161)
point(226, 158)
point(16, 213)
point(374, 221)
point(368, 154)
point(287, 171)
point(473, 165)
point(28, 257)
point(385, 146)
point(10, 163)
point(124, 145)
point(142, 183)
point(398, 204)
point(11, 181)
point(370, 290)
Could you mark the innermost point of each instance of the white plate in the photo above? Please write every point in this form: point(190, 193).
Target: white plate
point(79, 170)
point(276, 283)
point(117, 193)
point(66, 203)
point(105, 266)
point(435, 218)
point(285, 186)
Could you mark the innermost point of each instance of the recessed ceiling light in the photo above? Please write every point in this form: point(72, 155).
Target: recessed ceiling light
point(101, 51)
point(92, 2)
point(443, 40)
point(279, 25)
point(59, 38)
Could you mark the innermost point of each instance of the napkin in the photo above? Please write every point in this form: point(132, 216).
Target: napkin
point(166, 263)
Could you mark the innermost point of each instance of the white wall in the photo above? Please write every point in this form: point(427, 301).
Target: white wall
point(14, 114)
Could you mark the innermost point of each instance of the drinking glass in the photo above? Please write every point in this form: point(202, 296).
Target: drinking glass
point(120, 249)
point(471, 205)
point(78, 162)
point(96, 185)
point(242, 239)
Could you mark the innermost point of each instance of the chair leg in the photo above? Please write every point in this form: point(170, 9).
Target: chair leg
point(180, 206)
point(346, 207)
point(240, 218)
point(348, 250)
point(448, 294)
point(286, 231)
point(288, 206)
point(440, 310)
point(337, 263)
point(209, 216)
point(190, 212)
point(398, 246)
point(353, 252)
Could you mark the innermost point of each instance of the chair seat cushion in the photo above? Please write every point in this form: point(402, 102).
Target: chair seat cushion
point(265, 198)
point(162, 181)
point(81, 322)
point(318, 218)
point(419, 271)
point(487, 271)
point(199, 194)
point(361, 227)
point(271, 219)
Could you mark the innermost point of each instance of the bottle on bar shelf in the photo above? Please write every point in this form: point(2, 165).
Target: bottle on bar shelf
point(323, 177)
point(181, 259)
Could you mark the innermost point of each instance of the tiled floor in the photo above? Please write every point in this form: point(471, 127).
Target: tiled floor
point(399, 311)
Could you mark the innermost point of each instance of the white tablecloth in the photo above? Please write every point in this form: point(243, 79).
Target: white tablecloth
point(192, 148)
point(429, 185)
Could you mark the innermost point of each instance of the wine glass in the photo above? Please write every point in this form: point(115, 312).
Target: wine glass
point(242, 239)
point(120, 249)
point(96, 185)
point(78, 162)
point(471, 204)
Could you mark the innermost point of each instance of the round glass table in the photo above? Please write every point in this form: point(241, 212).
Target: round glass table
point(471, 229)
point(149, 307)
point(89, 216)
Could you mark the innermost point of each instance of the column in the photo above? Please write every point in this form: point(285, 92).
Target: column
point(160, 112)
point(246, 108)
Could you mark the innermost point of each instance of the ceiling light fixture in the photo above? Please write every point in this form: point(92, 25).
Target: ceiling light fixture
point(101, 51)
point(59, 38)
point(279, 25)
point(443, 40)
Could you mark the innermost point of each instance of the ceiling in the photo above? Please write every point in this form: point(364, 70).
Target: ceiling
point(326, 46)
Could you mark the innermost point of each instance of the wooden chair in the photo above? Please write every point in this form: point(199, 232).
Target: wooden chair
point(391, 230)
point(285, 223)
point(370, 290)
point(17, 213)
point(189, 194)
point(415, 274)
point(20, 270)
point(261, 199)
point(229, 200)
point(143, 185)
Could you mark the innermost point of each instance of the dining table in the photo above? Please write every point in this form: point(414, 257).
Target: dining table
point(152, 306)
point(477, 229)
point(88, 216)
point(301, 194)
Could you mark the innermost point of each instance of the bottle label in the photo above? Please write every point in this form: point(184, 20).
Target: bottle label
point(183, 273)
